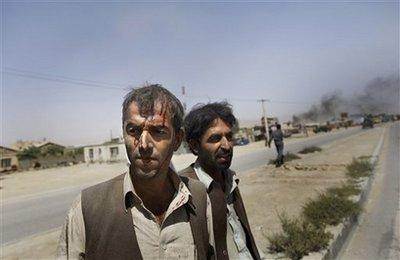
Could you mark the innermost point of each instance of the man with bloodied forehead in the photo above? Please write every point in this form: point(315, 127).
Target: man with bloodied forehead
point(149, 212)
point(208, 130)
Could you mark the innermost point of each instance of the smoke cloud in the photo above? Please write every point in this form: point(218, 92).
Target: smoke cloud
point(380, 95)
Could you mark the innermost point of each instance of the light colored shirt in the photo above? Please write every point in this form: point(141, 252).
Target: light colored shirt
point(235, 234)
point(172, 239)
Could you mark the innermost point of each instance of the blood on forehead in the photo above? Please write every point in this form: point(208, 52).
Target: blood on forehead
point(158, 114)
point(155, 120)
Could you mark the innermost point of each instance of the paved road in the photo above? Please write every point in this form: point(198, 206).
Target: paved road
point(377, 236)
point(257, 158)
point(42, 212)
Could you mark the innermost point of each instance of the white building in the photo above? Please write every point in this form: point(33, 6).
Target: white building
point(8, 159)
point(111, 151)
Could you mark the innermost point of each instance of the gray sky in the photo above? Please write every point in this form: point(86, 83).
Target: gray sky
point(66, 66)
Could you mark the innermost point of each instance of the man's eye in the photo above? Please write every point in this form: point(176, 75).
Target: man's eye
point(214, 138)
point(134, 131)
point(160, 131)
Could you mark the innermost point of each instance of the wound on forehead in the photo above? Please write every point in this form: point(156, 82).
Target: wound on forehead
point(151, 103)
point(154, 100)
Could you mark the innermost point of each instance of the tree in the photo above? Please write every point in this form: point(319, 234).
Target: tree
point(53, 150)
point(31, 152)
point(75, 152)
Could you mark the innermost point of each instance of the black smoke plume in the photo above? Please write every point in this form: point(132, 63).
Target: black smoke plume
point(380, 95)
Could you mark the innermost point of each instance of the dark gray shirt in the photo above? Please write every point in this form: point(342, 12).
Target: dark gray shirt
point(277, 136)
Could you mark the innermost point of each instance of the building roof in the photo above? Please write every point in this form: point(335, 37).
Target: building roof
point(21, 145)
point(6, 148)
point(113, 141)
point(39, 145)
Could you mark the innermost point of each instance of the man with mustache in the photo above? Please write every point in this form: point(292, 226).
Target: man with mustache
point(208, 130)
point(149, 212)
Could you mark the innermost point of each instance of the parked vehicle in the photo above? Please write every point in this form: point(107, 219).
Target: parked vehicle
point(367, 123)
point(241, 141)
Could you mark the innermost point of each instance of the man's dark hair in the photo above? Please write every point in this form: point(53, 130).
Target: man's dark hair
point(278, 126)
point(147, 96)
point(203, 115)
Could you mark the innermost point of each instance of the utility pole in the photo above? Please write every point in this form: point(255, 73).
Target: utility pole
point(184, 99)
point(265, 117)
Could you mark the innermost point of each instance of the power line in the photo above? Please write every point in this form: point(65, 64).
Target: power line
point(62, 79)
point(106, 85)
point(249, 100)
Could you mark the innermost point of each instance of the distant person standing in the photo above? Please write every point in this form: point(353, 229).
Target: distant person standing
point(305, 130)
point(277, 136)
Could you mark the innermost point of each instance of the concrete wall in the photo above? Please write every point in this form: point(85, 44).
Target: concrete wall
point(49, 162)
point(13, 162)
point(105, 153)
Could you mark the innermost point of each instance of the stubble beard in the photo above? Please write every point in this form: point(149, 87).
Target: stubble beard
point(226, 165)
point(210, 162)
point(137, 172)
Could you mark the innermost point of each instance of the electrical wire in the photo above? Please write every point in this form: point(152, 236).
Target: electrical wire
point(62, 79)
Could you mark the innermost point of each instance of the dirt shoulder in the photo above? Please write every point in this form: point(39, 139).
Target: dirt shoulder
point(266, 190)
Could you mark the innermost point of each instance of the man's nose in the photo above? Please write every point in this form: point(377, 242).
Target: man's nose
point(145, 140)
point(225, 143)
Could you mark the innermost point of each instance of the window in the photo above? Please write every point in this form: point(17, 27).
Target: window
point(6, 163)
point(91, 153)
point(114, 152)
point(99, 151)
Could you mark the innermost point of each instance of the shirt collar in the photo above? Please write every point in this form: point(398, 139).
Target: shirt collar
point(130, 196)
point(181, 190)
point(231, 180)
point(202, 175)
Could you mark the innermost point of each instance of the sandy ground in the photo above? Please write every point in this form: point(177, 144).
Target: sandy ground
point(266, 190)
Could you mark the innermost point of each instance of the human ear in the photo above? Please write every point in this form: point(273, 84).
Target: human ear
point(194, 146)
point(178, 139)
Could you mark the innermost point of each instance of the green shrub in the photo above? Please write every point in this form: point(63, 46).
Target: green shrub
point(323, 128)
point(298, 238)
point(286, 158)
point(359, 168)
point(272, 161)
point(290, 157)
point(310, 149)
point(329, 209)
point(344, 191)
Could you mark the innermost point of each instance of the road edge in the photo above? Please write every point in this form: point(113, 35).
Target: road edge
point(344, 231)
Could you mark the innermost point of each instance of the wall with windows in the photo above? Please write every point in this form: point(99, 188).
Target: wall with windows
point(105, 153)
point(8, 159)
